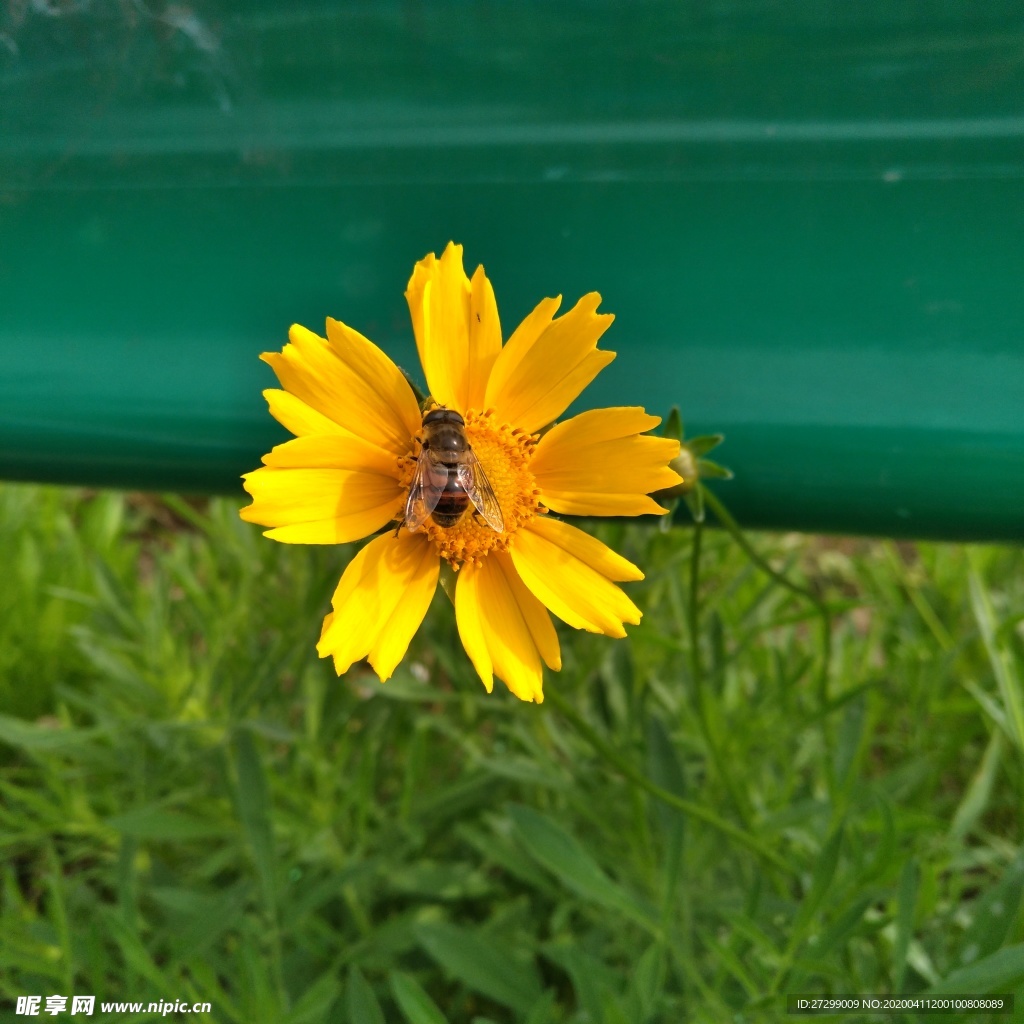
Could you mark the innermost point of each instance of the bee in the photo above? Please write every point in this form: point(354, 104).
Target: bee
point(449, 476)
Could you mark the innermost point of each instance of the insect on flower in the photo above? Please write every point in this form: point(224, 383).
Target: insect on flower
point(448, 477)
point(471, 479)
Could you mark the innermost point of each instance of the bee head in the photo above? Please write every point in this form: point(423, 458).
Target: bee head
point(443, 416)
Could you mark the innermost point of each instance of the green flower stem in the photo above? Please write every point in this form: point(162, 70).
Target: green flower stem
point(687, 807)
point(697, 672)
point(723, 515)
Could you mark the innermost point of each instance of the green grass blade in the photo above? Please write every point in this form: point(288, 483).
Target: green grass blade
point(905, 907)
point(542, 1011)
point(561, 854)
point(479, 963)
point(417, 1007)
point(592, 982)
point(316, 1001)
point(999, 657)
point(156, 823)
point(254, 809)
point(1001, 971)
point(647, 983)
point(666, 771)
point(979, 792)
point(995, 915)
point(360, 1000)
point(821, 881)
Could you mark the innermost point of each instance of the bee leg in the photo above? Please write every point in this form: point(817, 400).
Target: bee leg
point(401, 523)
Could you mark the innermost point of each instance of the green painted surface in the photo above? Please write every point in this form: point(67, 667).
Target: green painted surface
point(808, 218)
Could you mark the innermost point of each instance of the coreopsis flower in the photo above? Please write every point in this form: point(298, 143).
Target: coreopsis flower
point(359, 432)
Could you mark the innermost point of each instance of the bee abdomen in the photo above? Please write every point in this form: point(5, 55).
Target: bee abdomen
point(445, 520)
point(452, 503)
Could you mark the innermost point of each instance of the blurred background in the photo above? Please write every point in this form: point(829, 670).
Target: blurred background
point(808, 219)
point(806, 216)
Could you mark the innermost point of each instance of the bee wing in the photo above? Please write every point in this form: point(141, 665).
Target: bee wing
point(425, 491)
point(475, 483)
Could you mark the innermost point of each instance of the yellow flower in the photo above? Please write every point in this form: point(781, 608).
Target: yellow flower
point(358, 432)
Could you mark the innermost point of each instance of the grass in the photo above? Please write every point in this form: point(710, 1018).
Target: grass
point(193, 807)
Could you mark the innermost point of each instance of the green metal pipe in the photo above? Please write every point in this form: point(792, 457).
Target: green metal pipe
point(809, 223)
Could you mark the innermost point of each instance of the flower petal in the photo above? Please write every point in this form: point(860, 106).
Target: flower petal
point(484, 338)
point(351, 382)
point(571, 572)
point(587, 549)
point(320, 506)
point(547, 363)
point(333, 451)
point(370, 365)
point(506, 631)
point(294, 415)
point(598, 464)
point(380, 602)
point(455, 321)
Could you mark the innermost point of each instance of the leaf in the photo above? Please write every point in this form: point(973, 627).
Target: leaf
point(989, 705)
point(498, 848)
point(254, 809)
point(886, 846)
point(1000, 971)
point(200, 918)
point(614, 1012)
point(592, 982)
point(709, 470)
point(360, 1002)
point(703, 443)
point(481, 965)
point(647, 982)
point(555, 849)
point(994, 914)
point(851, 734)
point(157, 823)
point(127, 887)
point(673, 425)
point(666, 771)
point(524, 769)
point(416, 1006)
point(999, 657)
point(842, 926)
point(454, 881)
point(543, 1011)
point(456, 800)
point(976, 798)
point(909, 881)
point(16, 732)
point(315, 1002)
point(824, 870)
point(135, 954)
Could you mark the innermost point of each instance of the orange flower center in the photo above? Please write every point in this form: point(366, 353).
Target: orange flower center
point(504, 453)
